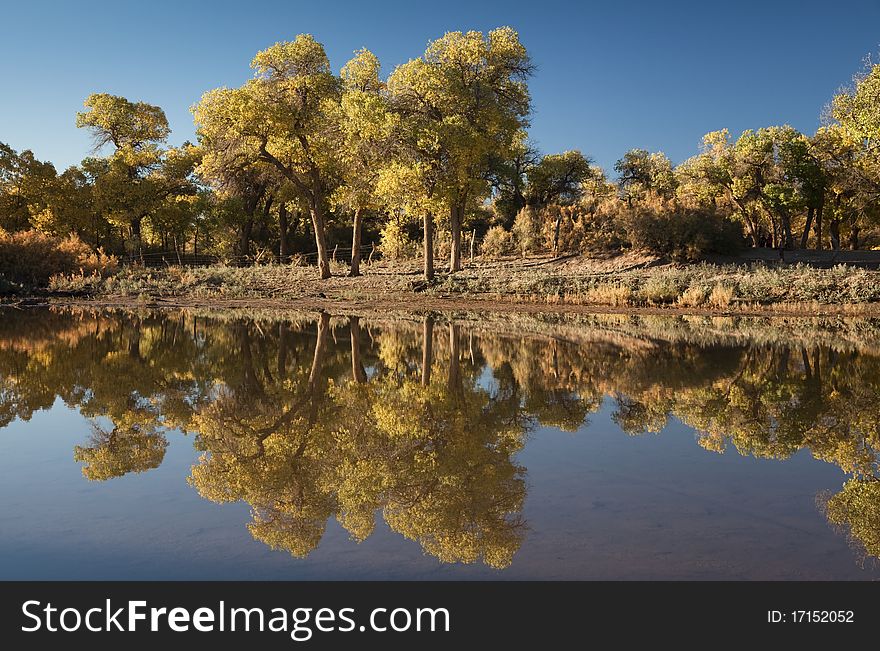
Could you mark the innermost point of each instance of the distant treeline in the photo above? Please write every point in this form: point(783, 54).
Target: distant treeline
point(300, 160)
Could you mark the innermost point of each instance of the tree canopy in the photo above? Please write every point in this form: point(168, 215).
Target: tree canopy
point(300, 161)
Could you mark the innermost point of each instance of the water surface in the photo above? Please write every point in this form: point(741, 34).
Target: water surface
point(178, 446)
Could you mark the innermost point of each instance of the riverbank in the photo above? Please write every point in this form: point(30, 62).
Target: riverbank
point(629, 283)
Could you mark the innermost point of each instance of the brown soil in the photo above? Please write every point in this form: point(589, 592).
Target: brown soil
point(421, 304)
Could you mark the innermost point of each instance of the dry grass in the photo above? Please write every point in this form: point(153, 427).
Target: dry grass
point(721, 296)
point(616, 295)
point(693, 296)
point(616, 282)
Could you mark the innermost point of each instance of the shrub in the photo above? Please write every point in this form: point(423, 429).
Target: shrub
point(395, 243)
point(602, 233)
point(693, 296)
point(497, 242)
point(607, 294)
point(30, 258)
point(442, 244)
point(682, 233)
point(527, 231)
point(662, 288)
point(721, 296)
point(571, 232)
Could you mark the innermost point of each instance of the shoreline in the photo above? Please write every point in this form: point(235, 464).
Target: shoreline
point(420, 304)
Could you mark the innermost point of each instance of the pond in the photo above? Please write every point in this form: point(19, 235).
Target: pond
point(189, 445)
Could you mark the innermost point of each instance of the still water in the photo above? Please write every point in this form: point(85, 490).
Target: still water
point(141, 445)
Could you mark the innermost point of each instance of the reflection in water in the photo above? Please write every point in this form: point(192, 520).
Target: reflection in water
point(420, 422)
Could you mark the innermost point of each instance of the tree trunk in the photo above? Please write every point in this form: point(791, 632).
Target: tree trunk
point(283, 226)
point(455, 215)
point(834, 232)
point(319, 225)
point(805, 236)
point(244, 240)
point(787, 238)
point(427, 349)
point(357, 367)
point(283, 345)
point(320, 345)
point(429, 246)
point(854, 237)
point(250, 386)
point(135, 231)
point(454, 377)
point(356, 229)
point(818, 228)
point(556, 228)
point(754, 235)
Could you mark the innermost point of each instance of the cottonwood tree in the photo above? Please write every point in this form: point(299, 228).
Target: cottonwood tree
point(857, 112)
point(368, 130)
point(557, 179)
point(408, 182)
point(641, 171)
point(130, 182)
point(507, 177)
point(287, 118)
point(472, 90)
point(237, 175)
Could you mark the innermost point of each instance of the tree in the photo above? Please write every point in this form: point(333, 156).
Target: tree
point(25, 185)
point(803, 168)
point(136, 130)
point(121, 451)
point(857, 507)
point(284, 117)
point(507, 176)
point(559, 179)
point(234, 171)
point(368, 134)
point(857, 112)
point(642, 171)
point(469, 91)
point(745, 175)
point(408, 182)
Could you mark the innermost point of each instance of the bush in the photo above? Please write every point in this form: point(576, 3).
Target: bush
point(610, 294)
point(694, 296)
point(662, 288)
point(527, 231)
point(497, 242)
point(30, 258)
point(602, 233)
point(395, 243)
point(682, 233)
point(721, 296)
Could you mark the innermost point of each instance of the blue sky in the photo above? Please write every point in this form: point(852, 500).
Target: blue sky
point(610, 75)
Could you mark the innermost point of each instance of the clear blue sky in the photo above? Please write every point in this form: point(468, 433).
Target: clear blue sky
point(610, 75)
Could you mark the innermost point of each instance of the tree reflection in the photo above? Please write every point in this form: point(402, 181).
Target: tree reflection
point(433, 458)
point(857, 508)
point(417, 424)
point(120, 451)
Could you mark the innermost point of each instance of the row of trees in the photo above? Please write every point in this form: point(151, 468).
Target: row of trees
point(440, 145)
